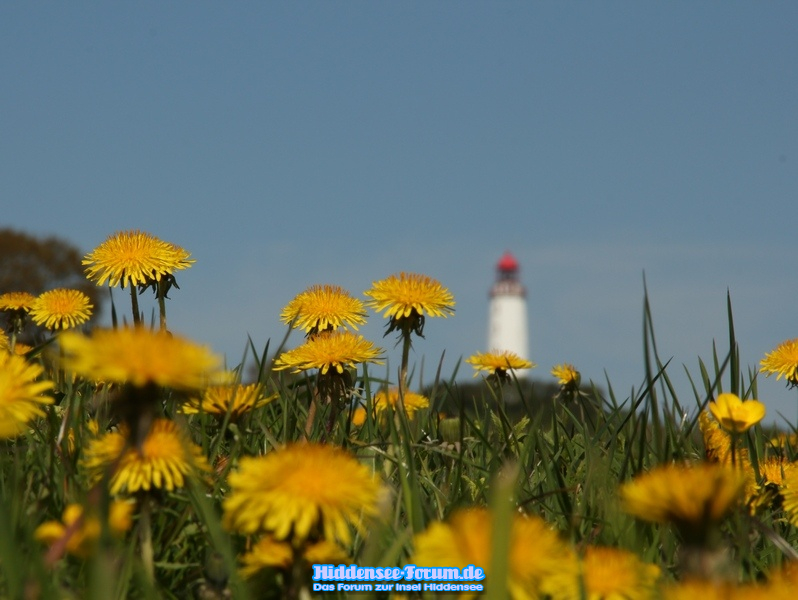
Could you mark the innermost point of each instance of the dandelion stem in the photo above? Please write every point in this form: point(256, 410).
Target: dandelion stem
point(295, 587)
point(162, 286)
point(406, 342)
point(134, 300)
point(145, 538)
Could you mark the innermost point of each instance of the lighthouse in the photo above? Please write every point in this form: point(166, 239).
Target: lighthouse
point(507, 322)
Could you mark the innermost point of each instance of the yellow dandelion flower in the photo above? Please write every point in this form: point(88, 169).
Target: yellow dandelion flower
point(410, 400)
point(607, 574)
point(706, 589)
point(464, 539)
point(359, 416)
point(783, 361)
point(301, 492)
point(691, 496)
point(717, 442)
point(786, 574)
point(271, 553)
point(498, 362)
point(61, 309)
point(406, 299)
point(267, 552)
point(567, 375)
point(735, 415)
point(767, 493)
point(134, 258)
point(139, 356)
point(773, 470)
point(611, 573)
point(789, 494)
point(81, 538)
point(326, 552)
point(536, 551)
point(334, 350)
point(236, 400)
point(403, 294)
point(16, 305)
point(22, 349)
point(165, 460)
point(21, 389)
point(324, 307)
point(16, 301)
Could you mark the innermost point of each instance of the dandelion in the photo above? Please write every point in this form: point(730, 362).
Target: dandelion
point(406, 300)
point(774, 470)
point(271, 553)
point(785, 577)
point(567, 375)
point(332, 353)
point(324, 308)
point(709, 589)
point(61, 309)
point(21, 389)
point(498, 363)
point(717, 442)
point(140, 357)
point(734, 415)
point(143, 361)
point(720, 448)
point(789, 494)
point(22, 349)
point(16, 306)
point(410, 400)
point(464, 539)
point(336, 350)
point(301, 493)
point(16, 301)
point(783, 361)
point(235, 400)
point(136, 258)
point(767, 493)
point(359, 416)
point(694, 497)
point(606, 574)
point(165, 460)
point(81, 531)
point(535, 554)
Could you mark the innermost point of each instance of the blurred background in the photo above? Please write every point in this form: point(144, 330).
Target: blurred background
point(610, 147)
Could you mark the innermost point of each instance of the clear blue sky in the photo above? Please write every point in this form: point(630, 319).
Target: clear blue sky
point(293, 143)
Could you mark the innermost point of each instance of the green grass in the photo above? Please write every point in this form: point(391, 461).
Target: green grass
point(564, 465)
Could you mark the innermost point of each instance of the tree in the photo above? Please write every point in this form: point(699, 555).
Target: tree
point(36, 265)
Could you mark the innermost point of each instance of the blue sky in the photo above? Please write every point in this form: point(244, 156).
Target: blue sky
point(288, 144)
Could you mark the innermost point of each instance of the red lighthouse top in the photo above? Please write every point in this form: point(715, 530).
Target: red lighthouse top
point(507, 263)
point(507, 283)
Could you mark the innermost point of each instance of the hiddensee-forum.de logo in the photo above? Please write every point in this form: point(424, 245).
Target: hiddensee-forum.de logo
point(352, 578)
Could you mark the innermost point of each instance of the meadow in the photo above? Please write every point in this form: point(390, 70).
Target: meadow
point(135, 465)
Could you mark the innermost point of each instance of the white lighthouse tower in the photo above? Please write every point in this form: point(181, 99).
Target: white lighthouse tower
point(507, 326)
